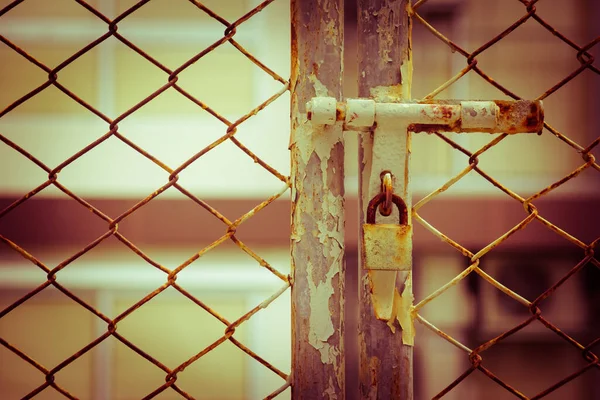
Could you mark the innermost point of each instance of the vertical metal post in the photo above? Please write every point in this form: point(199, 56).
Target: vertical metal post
point(317, 174)
point(384, 74)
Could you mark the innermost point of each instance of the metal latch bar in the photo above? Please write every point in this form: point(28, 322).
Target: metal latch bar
point(498, 116)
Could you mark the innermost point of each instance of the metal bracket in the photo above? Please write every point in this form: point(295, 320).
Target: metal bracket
point(391, 125)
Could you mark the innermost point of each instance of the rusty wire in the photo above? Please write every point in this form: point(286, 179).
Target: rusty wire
point(230, 29)
point(588, 260)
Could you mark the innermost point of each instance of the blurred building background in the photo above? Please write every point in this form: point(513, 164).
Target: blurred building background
point(113, 177)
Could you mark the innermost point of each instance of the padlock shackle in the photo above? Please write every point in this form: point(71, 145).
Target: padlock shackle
point(379, 199)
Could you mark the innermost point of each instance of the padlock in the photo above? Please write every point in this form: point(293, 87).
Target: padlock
point(387, 246)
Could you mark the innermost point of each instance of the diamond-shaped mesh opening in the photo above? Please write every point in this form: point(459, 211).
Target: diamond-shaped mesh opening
point(489, 229)
point(500, 158)
point(158, 223)
point(210, 367)
point(36, 134)
point(528, 49)
point(114, 167)
point(519, 354)
point(184, 11)
point(22, 79)
point(22, 173)
point(51, 318)
point(18, 376)
point(110, 263)
point(225, 73)
point(51, 101)
point(238, 170)
point(168, 342)
point(41, 8)
point(48, 224)
point(138, 386)
point(513, 371)
point(194, 130)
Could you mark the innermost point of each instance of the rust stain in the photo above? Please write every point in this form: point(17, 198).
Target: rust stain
point(388, 93)
point(443, 111)
point(520, 116)
point(504, 106)
point(340, 112)
point(432, 128)
point(387, 247)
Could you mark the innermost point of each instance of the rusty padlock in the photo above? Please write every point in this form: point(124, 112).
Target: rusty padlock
point(387, 246)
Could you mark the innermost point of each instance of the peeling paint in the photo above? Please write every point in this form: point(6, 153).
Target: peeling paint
point(331, 33)
point(406, 73)
point(388, 94)
point(383, 284)
point(330, 392)
point(321, 326)
point(320, 89)
point(317, 208)
point(386, 36)
point(402, 312)
point(314, 147)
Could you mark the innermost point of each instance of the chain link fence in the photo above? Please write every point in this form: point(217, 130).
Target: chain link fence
point(48, 380)
point(477, 356)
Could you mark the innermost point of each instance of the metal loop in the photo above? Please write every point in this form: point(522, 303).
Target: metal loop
point(379, 199)
point(385, 208)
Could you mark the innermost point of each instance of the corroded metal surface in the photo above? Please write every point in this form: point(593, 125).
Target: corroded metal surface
point(497, 116)
point(317, 242)
point(387, 246)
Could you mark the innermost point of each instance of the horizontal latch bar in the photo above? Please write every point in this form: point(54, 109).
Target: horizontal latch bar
point(498, 116)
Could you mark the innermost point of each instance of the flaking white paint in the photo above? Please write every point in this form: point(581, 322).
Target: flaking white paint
point(320, 89)
point(320, 140)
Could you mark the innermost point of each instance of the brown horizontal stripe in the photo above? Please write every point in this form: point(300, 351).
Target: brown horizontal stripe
point(472, 222)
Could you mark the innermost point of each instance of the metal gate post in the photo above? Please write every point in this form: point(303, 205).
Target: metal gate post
point(384, 74)
point(317, 177)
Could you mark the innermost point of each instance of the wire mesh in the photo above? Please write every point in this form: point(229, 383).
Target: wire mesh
point(475, 356)
point(588, 259)
point(230, 127)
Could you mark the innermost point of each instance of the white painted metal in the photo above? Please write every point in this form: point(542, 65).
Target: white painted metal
point(484, 116)
point(360, 113)
point(325, 110)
